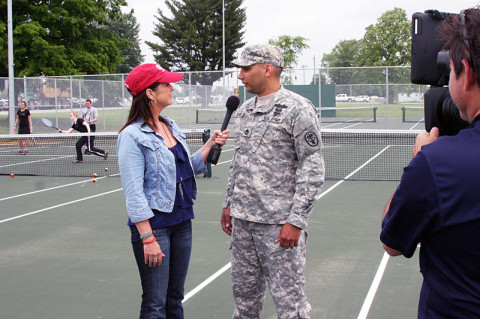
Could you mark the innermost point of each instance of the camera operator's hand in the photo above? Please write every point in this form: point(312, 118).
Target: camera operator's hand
point(424, 139)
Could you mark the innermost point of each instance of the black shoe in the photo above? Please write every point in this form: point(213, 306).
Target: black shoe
point(106, 155)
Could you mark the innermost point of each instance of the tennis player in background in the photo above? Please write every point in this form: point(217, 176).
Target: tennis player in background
point(25, 126)
point(82, 126)
point(90, 115)
point(158, 178)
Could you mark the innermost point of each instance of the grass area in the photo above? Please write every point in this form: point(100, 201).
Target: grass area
point(394, 110)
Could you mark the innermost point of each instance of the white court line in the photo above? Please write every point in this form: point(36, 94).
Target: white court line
point(349, 126)
point(57, 206)
point(56, 187)
point(37, 161)
point(373, 288)
point(416, 124)
point(206, 282)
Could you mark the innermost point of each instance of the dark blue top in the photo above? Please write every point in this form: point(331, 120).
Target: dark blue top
point(183, 206)
point(437, 204)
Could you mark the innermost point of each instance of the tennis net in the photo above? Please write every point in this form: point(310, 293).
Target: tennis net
point(376, 155)
point(328, 114)
point(210, 116)
point(52, 154)
point(413, 114)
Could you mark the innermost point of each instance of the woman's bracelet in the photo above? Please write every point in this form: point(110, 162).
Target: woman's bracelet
point(142, 237)
point(145, 242)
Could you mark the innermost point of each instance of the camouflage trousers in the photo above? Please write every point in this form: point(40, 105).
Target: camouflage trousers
point(257, 261)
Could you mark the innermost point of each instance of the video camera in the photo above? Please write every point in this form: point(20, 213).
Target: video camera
point(431, 65)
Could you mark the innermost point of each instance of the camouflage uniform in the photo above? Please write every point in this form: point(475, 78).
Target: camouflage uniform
point(275, 177)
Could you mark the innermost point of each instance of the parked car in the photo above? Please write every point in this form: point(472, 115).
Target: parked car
point(362, 98)
point(181, 100)
point(3, 105)
point(186, 100)
point(197, 99)
point(343, 98)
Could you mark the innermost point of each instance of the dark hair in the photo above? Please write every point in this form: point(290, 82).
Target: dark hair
point(458, 36)
point(88, 100)
point(277, 70)
point(141, 109)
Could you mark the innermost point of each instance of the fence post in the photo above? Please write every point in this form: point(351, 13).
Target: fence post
point(103, 105)
point(386, 95)
point(123, 99)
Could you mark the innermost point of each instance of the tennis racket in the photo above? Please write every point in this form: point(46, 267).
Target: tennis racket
point(87, 117)
point(48, 122)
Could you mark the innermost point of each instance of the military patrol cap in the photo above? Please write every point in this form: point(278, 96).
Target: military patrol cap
point(260, 53)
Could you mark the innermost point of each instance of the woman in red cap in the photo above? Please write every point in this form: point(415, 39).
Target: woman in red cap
point(158, 178)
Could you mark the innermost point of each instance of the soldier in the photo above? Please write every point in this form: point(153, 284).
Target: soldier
point(275, 178)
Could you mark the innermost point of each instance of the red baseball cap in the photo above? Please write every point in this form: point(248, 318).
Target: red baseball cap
point(144, 75)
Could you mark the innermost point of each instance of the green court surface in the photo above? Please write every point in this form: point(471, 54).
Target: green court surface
point(65, 252)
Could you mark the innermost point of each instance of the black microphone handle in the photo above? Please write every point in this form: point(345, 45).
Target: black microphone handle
point(228, 115)
point(216, 149)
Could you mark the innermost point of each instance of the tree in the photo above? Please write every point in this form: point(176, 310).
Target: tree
point(386, 43)
point(292, 48)
point(127, 28)
point(343, 54)
point(61, 37)
point(191, 39)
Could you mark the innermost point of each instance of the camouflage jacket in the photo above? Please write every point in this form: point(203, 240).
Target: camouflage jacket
point(277, 170)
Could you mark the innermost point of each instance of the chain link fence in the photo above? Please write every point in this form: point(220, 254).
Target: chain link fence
point(381, 96)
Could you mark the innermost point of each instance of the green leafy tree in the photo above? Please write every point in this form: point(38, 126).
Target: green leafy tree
point(190, 37)
point(343, 54)
point(292, 48)
point(61, 37)
point(127, 28)
point(386, 43)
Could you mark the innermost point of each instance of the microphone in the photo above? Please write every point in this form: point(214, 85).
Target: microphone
point(232, 104)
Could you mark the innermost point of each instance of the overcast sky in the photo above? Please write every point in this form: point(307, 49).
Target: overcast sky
point(323, 23)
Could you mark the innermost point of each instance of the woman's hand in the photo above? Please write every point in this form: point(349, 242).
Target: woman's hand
point(219, 138)
point(153, 254)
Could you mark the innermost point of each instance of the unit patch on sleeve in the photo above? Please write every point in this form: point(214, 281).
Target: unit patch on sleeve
point(311, 139)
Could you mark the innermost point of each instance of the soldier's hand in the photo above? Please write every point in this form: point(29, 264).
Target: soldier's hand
point(226, 221)
point(289, 236)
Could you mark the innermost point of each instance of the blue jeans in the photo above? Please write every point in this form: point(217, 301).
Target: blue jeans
point(163, 286)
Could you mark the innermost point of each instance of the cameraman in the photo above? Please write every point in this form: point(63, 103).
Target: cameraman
point(437, 203)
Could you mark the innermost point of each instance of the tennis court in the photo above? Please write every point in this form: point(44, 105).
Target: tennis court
point(65, 250)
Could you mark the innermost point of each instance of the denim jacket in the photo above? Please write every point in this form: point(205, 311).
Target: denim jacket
point(147, 169)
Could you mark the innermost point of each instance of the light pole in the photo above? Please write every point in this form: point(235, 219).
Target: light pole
point(223, 46)
point(11, 86)
point(304, 66)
